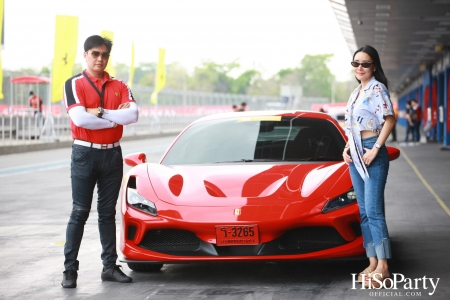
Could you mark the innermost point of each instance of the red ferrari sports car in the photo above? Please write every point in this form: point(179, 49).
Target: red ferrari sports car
point(243, 186)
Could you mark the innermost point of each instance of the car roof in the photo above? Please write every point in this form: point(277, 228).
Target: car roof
point(286, 113)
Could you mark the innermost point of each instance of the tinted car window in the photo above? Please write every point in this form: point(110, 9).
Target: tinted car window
point(247, 139)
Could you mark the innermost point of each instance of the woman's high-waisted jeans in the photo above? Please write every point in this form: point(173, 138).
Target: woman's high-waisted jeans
point(370, 196)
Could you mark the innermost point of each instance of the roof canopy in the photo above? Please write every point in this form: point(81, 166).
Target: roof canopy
point(409, 37)
point(30, 79)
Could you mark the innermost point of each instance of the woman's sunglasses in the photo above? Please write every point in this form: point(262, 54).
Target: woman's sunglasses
point(96, 54)
point(364, 64)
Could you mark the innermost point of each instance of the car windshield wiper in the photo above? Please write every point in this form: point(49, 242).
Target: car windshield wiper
point(234, 161)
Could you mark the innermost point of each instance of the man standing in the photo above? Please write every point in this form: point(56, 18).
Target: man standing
point(98, 106)
point(417, 120)
point(35, 103)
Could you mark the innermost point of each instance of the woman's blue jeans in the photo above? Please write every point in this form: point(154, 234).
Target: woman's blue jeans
point(90, 166)
point(370, 196)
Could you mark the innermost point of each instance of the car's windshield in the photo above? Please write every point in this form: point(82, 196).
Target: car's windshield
point(250, 139)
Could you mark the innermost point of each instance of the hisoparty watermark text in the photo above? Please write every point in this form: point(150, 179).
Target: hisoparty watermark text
point(395, 282)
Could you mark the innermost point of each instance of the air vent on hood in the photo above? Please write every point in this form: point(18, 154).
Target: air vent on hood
point(213, 190)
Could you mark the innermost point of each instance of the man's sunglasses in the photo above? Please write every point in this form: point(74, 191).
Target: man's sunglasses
point(364, 64)
point(96, 54)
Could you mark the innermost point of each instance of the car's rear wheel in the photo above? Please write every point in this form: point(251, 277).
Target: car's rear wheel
point(144, 267)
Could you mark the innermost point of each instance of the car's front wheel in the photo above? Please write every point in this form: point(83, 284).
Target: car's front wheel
point(144, 267)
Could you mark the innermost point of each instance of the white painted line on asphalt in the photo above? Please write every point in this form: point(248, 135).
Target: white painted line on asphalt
point(425, 183)
point(34, 168)
point(66, 162)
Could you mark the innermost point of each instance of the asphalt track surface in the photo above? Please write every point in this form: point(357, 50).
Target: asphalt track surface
point(35, 197)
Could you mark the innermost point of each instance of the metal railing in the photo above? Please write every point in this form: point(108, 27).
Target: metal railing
point(174, 111)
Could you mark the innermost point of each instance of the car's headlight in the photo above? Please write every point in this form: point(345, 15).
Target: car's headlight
point(340, 201)
point(140, 203)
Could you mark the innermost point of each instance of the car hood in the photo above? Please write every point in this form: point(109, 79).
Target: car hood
point(242, 183)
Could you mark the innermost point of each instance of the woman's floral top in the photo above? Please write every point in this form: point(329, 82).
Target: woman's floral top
point(365, 113)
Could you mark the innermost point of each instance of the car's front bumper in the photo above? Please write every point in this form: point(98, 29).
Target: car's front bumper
point(174, 237)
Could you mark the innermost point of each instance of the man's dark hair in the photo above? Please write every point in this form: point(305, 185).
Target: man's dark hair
point(95, 41)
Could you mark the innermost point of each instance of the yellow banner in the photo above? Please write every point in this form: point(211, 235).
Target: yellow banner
point(1, 31)
point(131, 77)
point(110, 67)
point(66, 43)
point(160, 79)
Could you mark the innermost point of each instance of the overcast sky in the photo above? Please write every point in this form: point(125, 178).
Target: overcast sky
point(267, 35)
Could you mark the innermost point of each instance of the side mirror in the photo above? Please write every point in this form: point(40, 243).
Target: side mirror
point(135, 159)
point(393, 153)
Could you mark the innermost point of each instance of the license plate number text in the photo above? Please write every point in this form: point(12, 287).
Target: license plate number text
point(237, 235)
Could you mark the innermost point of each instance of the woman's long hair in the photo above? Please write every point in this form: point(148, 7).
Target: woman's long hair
point(378, 73)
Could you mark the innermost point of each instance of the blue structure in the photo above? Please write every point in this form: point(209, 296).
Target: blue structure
point(431, 90)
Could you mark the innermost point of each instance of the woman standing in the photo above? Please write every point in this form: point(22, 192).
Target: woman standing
point(369, 120)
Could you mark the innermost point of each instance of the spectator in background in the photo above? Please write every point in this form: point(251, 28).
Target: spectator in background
point(394, 130)
point(243, 106)
point(35, 102)
point(322, 110)
point(417, 120)
point(234, 108)
point(409, 115)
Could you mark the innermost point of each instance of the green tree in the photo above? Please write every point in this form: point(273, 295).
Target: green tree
point(266, 87)
point(315, 76)
point(244, 81)
point(45, 71)
point(122, 71)
point(144, 74)
point(176, 76)
point(26, 71)
point(213, 77)
point(289, 76)
point(342, 90)
point(312, 73)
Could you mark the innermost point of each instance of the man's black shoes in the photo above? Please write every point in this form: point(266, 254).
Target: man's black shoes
point(69, 278)
point(115, 274)
point(112, 274)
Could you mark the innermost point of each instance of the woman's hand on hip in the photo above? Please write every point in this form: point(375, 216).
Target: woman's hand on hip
point(346, 156)
point(370, 155)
